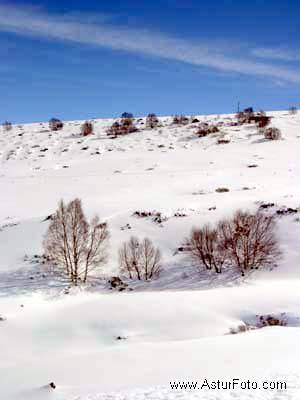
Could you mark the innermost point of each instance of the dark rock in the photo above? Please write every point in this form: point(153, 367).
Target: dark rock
point(117, 283)
point(48, 218)
point(180, 214)
point(222, 190)
point(286, 211)
point(121, 338)
point(127, 226)
point(266, 205)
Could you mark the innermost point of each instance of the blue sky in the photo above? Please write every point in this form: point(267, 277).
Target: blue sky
point(91, 59)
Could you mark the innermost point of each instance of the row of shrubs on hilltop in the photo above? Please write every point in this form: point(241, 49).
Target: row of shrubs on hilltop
point(75, 246)
point(127, 124)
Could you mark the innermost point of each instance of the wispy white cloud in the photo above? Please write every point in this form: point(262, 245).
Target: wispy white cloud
point(34, 22)
point(280, 54)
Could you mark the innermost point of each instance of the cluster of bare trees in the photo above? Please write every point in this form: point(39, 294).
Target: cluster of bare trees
point(139, 259)
point(73, 243)
point(246, 241)
point(78, 247)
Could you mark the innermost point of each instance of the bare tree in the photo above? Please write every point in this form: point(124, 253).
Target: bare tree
point(74, 244)
point(204, 245)
point(129, 258)
point(249, 240)
point(150, 259)
point(140, 260)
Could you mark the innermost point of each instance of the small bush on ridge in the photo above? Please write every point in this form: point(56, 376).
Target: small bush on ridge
point(180, 120)
point(204, 129)
point(124, 127)
point(55, 124)
point(87, 128)
point(152, 121)
point(293, 110)
point(7, 126)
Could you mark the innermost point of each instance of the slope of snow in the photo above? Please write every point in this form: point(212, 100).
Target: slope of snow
point(174, 328)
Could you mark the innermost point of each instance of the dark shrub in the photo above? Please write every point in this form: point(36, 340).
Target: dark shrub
point(55, 124)
point(244, 117)
point(262, 120)
point(124, 127)
point(204, 129)
point(180, 120)
point(272, 133)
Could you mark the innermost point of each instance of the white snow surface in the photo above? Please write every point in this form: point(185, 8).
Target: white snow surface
point(175, 328)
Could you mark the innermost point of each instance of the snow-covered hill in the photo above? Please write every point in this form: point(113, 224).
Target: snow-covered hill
point(176, 327)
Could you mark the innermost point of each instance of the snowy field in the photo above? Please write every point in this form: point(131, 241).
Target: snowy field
point(176, 327)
